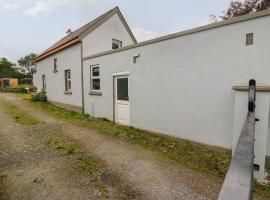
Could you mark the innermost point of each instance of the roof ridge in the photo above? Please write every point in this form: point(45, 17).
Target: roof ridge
point(75, 34)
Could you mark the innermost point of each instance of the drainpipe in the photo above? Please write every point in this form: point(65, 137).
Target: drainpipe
point(82, 82)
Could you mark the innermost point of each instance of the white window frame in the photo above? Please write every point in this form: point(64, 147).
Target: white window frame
point(68, 80)
point(119, 42)
point(94, 78)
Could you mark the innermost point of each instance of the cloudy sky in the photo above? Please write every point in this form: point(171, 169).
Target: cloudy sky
point(33, 25)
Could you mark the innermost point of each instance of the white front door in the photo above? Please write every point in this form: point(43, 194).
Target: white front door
point(121, 100)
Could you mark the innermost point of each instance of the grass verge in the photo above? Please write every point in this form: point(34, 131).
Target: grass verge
point(89, 164)
point(192, 155)
point(19, 116)
point(262, 190)
point(2, 179)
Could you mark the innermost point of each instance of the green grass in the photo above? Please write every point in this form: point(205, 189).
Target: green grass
point(89, 164)
point(60, 113)
point(192, 155)
point(2, 180)
point(19, 116)
point(262, 190)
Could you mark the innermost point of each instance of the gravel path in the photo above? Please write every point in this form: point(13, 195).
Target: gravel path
point(31, 172)
point(147, 175)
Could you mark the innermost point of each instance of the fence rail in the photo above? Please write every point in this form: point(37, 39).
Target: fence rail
point(238, 184)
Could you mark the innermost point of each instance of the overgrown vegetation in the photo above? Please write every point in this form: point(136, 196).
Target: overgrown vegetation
point(192, 155)
point(89, 164)
point(20, 116)
point(40, 96)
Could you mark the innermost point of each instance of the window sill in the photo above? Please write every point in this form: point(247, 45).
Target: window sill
point(55, 71)
point(95, 93)
point(68, 93)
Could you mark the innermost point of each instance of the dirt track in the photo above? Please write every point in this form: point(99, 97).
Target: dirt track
point(32, 172)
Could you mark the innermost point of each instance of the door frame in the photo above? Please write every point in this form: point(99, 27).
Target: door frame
point(115, 76)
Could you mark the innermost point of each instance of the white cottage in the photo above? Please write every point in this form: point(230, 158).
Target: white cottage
point(59, 68)
point(178, 85)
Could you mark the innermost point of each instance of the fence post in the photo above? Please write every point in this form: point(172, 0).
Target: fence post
point(238, 183)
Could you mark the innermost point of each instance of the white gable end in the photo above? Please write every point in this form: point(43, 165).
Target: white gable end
point(100, 39)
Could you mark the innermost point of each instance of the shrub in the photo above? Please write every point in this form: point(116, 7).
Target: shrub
point(40, 96)
point(28, 88)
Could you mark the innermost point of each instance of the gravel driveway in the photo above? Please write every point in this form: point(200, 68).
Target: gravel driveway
point(31, 172)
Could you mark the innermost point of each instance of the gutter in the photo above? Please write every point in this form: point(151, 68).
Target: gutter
point(231, 21)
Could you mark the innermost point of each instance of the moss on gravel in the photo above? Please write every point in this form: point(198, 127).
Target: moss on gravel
point(2, 178)
point(85, 163)
point(19, 116)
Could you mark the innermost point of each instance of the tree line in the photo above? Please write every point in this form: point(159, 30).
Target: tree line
point(239, 7)
point(24, 69)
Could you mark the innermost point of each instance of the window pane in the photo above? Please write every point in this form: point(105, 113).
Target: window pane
point(96, 84)
point(66, 85)
point(95, 71)
point(68, 74)
point(55, 64)
point(43, 82)
point(249, 39)
point(69, 85)
point(122, 89)
point(67, 80)
point(116, 44)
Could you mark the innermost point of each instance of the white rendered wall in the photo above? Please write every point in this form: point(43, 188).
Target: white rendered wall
point(100, 39)
point(69, 58)
point(182, 86)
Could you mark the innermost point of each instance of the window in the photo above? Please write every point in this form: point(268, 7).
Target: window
point(249, 39)
point(95, 78)
point(55, 65)
point(122, 89)
point(116, 44)
point(43, 82)
point(67, 80)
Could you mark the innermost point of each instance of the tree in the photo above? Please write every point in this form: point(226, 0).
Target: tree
point(7, 67)
point(239, 8)
point(5, 62)
point(27, 64)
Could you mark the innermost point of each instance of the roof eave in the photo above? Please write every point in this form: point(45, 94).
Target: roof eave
point(57, 49)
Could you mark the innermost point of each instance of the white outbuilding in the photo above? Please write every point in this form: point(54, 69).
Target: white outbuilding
point(190, 84)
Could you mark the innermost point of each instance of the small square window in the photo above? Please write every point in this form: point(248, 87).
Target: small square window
point(116, 44)
point(249, 39)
